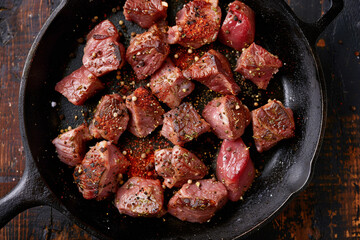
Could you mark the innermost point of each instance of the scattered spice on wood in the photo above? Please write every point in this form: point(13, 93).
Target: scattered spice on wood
point(321, 43)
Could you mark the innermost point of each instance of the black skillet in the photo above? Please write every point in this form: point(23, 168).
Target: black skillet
point(285, 170)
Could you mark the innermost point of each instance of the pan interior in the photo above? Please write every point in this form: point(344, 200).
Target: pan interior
point(282, 171)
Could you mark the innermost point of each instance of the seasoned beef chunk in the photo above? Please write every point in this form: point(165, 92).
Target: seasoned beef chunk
point(258, 65)
point(179, 166)
point(145, 112)
point(234, 168)
point(197, 24)
point(70, 146)
point(183, 124)
point(198, 202)
point(79, 86)
point(227, 116)
point(140, 197)
point(147, 52)
point(103, 53)
point(238, 29)
point(97, 174)
point(105, 29)
point(163, 165)
point(169, 85)
point(213, 70)
point(145, 13)
point(272, 123)
point(110, 119)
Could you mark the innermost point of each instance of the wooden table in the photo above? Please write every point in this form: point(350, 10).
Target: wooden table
point(328, 209)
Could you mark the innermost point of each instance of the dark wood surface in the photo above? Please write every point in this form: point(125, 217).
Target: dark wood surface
point(328, 209)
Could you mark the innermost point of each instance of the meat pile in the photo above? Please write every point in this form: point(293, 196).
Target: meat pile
point(101, 171)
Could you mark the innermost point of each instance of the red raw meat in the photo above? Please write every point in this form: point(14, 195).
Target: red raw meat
point(179, 166)
point(110, 119)
point(198, 202)
point(70, 146)
point(103, 30)
point(79, 86)
point(258, 65)
point(145, 13)
point(145, 112)
point(140, 197)
point(197, 24)
point(103, 52)
point(183, 124)
point(169, 85)
point(238, 29)
point(214, 71)
point(227, 116)
point(147, 52)
point(234, 168)
point(97, 174)
point(271, 124)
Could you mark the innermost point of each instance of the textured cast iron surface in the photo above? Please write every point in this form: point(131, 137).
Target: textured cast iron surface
point(284, 169)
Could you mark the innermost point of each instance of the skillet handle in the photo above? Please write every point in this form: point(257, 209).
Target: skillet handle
point(31, 191)
point(313, 30)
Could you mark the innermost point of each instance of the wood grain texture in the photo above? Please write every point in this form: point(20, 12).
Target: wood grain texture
point(22, 21)
point(328, 209)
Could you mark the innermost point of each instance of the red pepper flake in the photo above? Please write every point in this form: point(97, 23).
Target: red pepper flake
point(321, 43)
point(135, 147)
point(183, 58)
point(142, 167)
point(202, 29)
